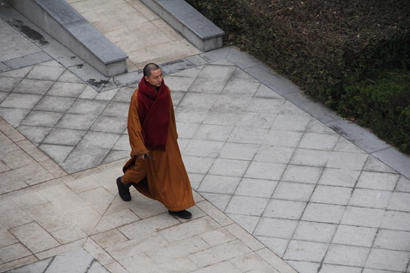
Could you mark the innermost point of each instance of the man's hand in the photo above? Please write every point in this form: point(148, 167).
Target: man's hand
point(141, 156)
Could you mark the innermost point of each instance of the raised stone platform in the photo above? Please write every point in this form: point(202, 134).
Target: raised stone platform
point(67, 26)
point(195, 27)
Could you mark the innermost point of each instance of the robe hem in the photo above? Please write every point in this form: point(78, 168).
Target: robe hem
point(178, 208)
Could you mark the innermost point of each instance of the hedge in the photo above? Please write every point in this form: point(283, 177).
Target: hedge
point(324, 47)
point(383, 104)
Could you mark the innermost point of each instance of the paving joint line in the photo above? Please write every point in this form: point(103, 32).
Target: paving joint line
point(240, 181)
point(61, 117)
point(379, 227)
point(344, 213)
point(200, 124)
point(89, 266)
point(18, 83)
point(49, 264)
point(88, 130)
point(280, 179)
point(42, 96)
point(35, 160)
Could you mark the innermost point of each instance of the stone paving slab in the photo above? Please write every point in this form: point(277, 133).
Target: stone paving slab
point(78, 223)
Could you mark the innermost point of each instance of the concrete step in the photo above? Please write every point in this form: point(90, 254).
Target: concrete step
point(66, 25)
point(191, 24)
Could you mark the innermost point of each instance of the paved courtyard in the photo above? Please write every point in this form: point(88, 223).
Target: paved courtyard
point(78, 223)
point(272, 181)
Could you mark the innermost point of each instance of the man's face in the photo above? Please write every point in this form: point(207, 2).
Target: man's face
point(155, 79)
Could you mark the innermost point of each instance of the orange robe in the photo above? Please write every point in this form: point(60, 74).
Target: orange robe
point(167, 180)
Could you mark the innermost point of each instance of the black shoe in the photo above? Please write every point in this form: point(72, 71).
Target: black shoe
point(123, 190)
point(184, 214)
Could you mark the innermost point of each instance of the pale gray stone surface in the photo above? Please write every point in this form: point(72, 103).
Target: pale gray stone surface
point(58, 152)
point(3, 67)
point(110, 124)
point(278, 228)
point(87, 107)
point(308, 193)
point(42, 118)
point(76, 121)
point(328, 268)
point(293, 191)
point(37, 267)
point(388, 260)
point(43, 72)
point(21, 101)
point(331, 195)
point(323, 213)
point(351, 235)
point(34, 237)
point(305, 251)
point(13, 44)
point(396, 220)
point(396, 159)
point(8, 83)
point(247, 205)
point(393, 239)
point(75, 261)
point(30, 59)
point(370, 198)
point(14, 116)
point(28, 86)
point(3, 95)
point(34, 134)
point(256, 187)
point(54, 104)
point(270, 176)
point(313, 231)
point(284, 209)
point(347, 255)
point(365, 217)
point(66, 89)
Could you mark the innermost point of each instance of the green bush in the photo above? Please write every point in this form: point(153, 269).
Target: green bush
point(323, 45)
point(382, 104)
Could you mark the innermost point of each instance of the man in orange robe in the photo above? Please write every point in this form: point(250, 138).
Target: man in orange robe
point(156, 168)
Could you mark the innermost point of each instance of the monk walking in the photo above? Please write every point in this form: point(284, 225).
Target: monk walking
point(155, 168)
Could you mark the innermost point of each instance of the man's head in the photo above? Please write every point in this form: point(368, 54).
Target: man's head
point(153, 74)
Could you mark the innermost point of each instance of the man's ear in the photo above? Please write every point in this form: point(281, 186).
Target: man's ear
point(146, 78)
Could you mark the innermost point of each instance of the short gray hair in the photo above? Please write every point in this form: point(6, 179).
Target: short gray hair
point(149, 68)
